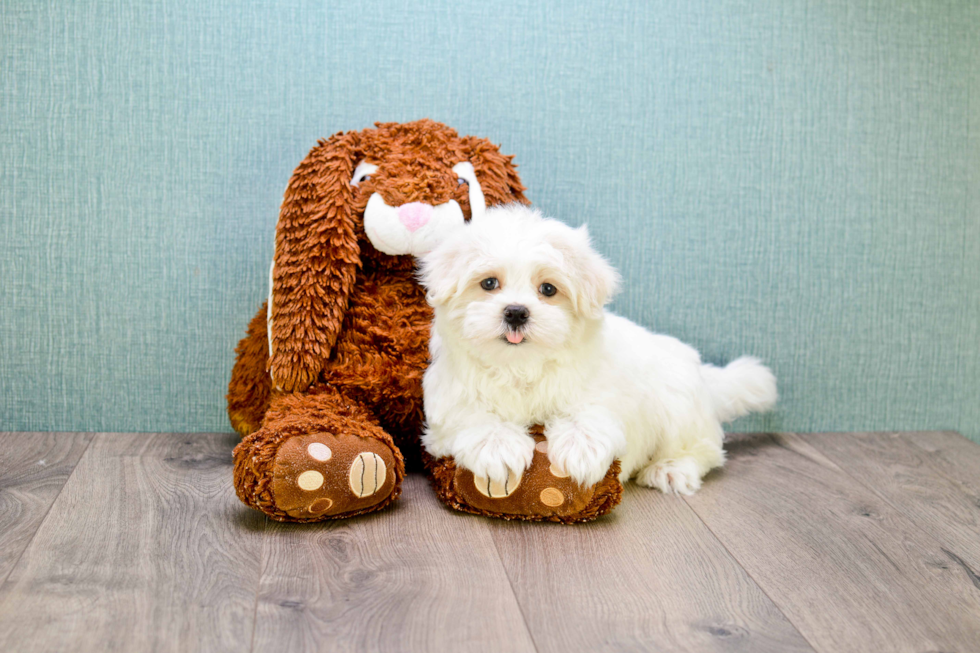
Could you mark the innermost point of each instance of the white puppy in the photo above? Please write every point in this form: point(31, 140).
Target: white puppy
point(521, 337)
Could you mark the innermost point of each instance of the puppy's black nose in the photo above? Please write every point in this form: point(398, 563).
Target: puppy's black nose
point(516, 315)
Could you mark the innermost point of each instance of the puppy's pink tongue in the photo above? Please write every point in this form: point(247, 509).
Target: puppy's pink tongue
point(513, 337)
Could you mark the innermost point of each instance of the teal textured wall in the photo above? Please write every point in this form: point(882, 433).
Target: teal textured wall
point(796, 180)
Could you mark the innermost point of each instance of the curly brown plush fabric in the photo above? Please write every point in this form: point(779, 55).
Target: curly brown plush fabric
point(248, 392)
point(350, 326)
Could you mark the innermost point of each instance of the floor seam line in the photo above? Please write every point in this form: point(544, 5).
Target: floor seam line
point(258, 587)
point(751, 577)
point(513, 592)
point(48, 511)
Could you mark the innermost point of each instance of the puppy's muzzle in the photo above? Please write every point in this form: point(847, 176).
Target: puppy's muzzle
point(516, 315)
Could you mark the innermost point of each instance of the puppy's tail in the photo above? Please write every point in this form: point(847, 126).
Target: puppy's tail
point(743, 386)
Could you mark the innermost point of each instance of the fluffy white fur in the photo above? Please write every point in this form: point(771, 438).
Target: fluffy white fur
point(603, 386)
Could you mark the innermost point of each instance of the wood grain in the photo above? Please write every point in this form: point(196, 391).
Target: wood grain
point(940, 493)
point(649, 577)
point(832, 542)
point(954, 456)
point(33, 470)
point(146, 549)
point(416, 577)
point(847, 568)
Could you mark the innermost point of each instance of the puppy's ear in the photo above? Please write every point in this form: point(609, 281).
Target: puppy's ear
point(595, 280)
point(316, 260)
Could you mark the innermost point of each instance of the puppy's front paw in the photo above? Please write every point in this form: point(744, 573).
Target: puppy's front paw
point(494, 451)
point(681, 476)
point(584, 454)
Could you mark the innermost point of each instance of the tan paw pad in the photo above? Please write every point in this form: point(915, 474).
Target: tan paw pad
point(367, 474)
point(494, 489)
point(320, 506)
point(310, 480)
point(557, 471)
point(319, 451)
point(552, 497)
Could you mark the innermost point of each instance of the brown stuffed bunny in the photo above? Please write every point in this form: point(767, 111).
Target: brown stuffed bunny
point(328, 416)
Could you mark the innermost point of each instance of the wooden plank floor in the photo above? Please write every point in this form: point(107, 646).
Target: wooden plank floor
point(821, 542)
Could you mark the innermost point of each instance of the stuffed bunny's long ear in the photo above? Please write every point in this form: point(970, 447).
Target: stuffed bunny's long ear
point(315, 264)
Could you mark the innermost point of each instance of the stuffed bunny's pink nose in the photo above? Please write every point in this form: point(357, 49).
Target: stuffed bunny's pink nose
point(414, 214)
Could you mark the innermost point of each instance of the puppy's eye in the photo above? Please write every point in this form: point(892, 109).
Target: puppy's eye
point(547, 290)
point(490, 284)
point(461, 181)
